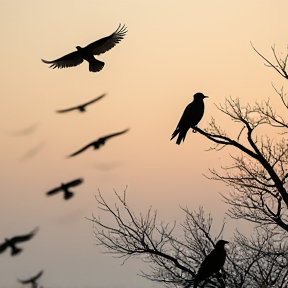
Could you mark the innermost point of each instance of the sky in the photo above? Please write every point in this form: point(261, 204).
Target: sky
point(172, 50)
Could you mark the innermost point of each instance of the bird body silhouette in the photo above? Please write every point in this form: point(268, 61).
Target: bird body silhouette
point(13, 241)
point(87, 53)
point(99, 142)
point(192, 115)
point(212, 263)
point(65, 188)
point(82, 107)
point(32, 280)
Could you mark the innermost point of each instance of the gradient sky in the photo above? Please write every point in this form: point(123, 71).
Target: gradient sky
point(172, 50)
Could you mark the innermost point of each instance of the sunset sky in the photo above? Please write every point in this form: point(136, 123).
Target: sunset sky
point(172, 50)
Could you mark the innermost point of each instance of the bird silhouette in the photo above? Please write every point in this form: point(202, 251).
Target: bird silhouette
point(13, 241)
point(82, 107)
point(96, 144)
point(65, 188)
point(212, 263)
point(191, 116)
point(95, 48)
point(32, 280)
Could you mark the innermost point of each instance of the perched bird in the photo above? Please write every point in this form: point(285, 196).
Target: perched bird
point(95, 48)
point(13, 241)
point(96, 144)
point(65, 188)
point(82, 107)
point(192, 114)
point(212, 263)
point(32, 280)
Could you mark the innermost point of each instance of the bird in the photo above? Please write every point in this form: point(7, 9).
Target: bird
point(96, 144)
point(212, 263)
point(86, 53)
point(65, 188)
point(82, 107)
point(191, 116)
point(32, 280)
point(13, 241)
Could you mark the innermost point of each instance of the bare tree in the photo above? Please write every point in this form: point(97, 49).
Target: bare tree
point(258, 194)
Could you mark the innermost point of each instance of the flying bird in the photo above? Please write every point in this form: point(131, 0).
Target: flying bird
point(192, 115)
point(32, 280)
point(95, 48)
point(13, 241)
point(65, 188)
point(212, 263)
point(82, 107)
point(96, 144)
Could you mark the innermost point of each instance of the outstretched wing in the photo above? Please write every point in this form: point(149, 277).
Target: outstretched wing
point(67, 110)
point(31, 280)
point(104, 44)
point(81, 150)
point(54, 191)
point(23, 238)
point(74, 182)
point(94, 100)
point(69, 60)
point(113, 135)
point(3, 247)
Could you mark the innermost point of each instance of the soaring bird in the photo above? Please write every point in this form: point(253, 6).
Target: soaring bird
point(192, 114)
point(32, 280)
point(82, 107)
point(13, 241)
point(95, 48)
point(65, 188)
point(212, 263)
point(96, 144)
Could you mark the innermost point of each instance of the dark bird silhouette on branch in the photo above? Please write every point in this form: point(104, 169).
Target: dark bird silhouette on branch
point(82, 107)
point(212, 263)
point(32, 280)
point(13, 241)
point(192, 115)
point(96, 144)
point(65, 188)
point(95, 48)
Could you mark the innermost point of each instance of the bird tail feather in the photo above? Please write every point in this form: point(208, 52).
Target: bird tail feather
point(68, 195)
point(15, 250)
point(96, 65)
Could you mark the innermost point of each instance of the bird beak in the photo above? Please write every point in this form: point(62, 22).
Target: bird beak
point(226, 242)
point(206, 96)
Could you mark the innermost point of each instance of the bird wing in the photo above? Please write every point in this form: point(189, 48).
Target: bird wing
point(104, 44)
point(23, 238)
point(104, 138)
point(74, 182)
point(3, 247)
point(67, 110)
point(53, 191)
point(186, 116)
point(94, 100)
point(81, 150)
point(69, 60)
point(32, 279)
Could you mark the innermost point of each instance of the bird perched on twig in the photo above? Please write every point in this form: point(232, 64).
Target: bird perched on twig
point(95, 48)
point(82, 107)
point(32, 280)
point(65, 188)
point(13, 241)
point(96, 144)
point(192, 115)
point(212, 263)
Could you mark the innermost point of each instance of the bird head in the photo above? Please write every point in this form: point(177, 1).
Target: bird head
point(78, 48)
point(199, 96)
point(221, 243)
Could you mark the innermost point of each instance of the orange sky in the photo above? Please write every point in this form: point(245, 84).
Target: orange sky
point(172, 50)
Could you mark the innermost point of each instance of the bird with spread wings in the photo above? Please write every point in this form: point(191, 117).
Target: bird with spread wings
point(13, 241)
point(32, 280)
point(99, 142)
point(87, 53)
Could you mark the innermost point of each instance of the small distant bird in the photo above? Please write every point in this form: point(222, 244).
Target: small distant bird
point(32, 280)
point(192, 115)
point(65, 188)
point(212, 263)
point(82, 107)
point(13, 241)
point(96, 144)
point(95, 48)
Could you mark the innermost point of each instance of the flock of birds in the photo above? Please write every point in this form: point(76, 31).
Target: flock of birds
point(192, 115)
